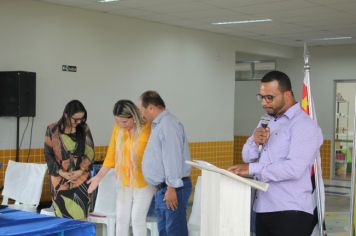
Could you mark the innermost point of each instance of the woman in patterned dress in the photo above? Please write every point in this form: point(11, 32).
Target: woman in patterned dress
point(69, 153)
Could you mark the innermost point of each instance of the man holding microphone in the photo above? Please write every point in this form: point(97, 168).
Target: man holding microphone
point(282, 153)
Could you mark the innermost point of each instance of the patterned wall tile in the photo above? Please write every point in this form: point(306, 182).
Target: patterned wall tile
point(219, 153)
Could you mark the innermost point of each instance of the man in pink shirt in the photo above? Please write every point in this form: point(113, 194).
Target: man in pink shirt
point(282, 155)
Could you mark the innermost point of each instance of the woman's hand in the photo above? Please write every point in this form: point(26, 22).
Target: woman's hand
point(94, 181)
point(93, 184)
point(65, 174)
point(75, 175)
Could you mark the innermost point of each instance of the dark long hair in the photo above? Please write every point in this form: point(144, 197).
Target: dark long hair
point(70, 109)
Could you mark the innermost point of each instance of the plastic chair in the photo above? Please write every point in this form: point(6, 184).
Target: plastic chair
point(105, 204)
point(194, 219)
point(151, 221)
point(48, 211)
point(152, 226)
point(23, 183)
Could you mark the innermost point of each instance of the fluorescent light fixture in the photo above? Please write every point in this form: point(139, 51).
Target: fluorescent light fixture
point(241, 22)
point(104, 1)
point(334, 38)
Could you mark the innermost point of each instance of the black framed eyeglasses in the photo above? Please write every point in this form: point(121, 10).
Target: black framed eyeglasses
point(267, 98)
point(76, 120)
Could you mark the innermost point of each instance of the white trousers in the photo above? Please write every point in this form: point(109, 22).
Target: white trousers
point(133, 204)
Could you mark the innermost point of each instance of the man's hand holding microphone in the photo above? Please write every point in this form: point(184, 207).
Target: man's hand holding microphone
point(261, 136)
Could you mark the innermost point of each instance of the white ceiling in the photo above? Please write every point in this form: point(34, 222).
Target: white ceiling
point(293, 21)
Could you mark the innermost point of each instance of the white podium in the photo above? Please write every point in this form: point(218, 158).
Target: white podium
point(225, 201)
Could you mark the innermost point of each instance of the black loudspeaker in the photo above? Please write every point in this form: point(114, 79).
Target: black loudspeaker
point(17, 93)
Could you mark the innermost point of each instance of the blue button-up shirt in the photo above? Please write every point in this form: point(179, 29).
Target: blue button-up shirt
point(166, 152)
point(285, 162)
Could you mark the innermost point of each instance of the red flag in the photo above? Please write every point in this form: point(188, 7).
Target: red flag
point(305, 98)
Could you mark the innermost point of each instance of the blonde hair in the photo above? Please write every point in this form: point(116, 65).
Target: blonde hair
point(127, 109)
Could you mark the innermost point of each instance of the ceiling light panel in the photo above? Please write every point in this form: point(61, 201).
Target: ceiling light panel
point(106, 1)
point(242, 22)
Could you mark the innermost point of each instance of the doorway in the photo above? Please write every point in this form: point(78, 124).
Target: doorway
point(344, 98)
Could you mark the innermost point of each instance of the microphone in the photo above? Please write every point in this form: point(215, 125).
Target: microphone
point(264, 123)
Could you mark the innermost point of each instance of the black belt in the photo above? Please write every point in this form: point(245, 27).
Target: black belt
point(163, 185)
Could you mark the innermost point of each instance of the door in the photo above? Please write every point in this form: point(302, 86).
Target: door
point(345, 91)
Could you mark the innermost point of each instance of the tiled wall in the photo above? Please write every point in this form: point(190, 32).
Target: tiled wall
point(239, 142)
point(325, 153)
point(221, 153)
point(217, 153)
point(35, 156)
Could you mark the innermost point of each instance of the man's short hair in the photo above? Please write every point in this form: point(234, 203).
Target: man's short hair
point(282, 79)
point(153, 98)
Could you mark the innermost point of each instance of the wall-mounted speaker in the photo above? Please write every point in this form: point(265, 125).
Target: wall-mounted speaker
point(17, 93)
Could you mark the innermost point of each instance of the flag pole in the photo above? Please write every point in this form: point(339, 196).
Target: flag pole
point(319, 204)
point(316, 162)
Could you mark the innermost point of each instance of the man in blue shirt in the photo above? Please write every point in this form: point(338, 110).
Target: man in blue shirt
point(282, 155)
point(164, 165)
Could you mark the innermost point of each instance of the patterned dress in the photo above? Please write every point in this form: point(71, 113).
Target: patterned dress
point(69, 152)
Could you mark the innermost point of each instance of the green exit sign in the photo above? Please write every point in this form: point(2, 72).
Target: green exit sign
point(69, 68)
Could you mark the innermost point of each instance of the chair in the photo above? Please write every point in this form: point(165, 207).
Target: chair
point(151, 221)
point(48, 211)
point(194, 219)
point(105, 204)
point(152, 226)
point(23, 183)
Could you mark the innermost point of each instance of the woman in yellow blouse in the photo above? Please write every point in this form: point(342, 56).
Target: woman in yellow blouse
point(127, 144)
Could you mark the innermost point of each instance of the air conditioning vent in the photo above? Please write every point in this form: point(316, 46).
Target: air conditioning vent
point(253, 70)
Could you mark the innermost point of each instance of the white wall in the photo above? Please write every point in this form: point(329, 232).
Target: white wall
point(248, 110)
point(328, 63)
point(120, 58)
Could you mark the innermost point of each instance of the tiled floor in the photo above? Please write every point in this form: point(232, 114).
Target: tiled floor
point(337, 205)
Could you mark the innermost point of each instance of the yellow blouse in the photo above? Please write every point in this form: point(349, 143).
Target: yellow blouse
point(129, 171)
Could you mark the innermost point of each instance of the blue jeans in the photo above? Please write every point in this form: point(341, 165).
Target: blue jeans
point(173, 223)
